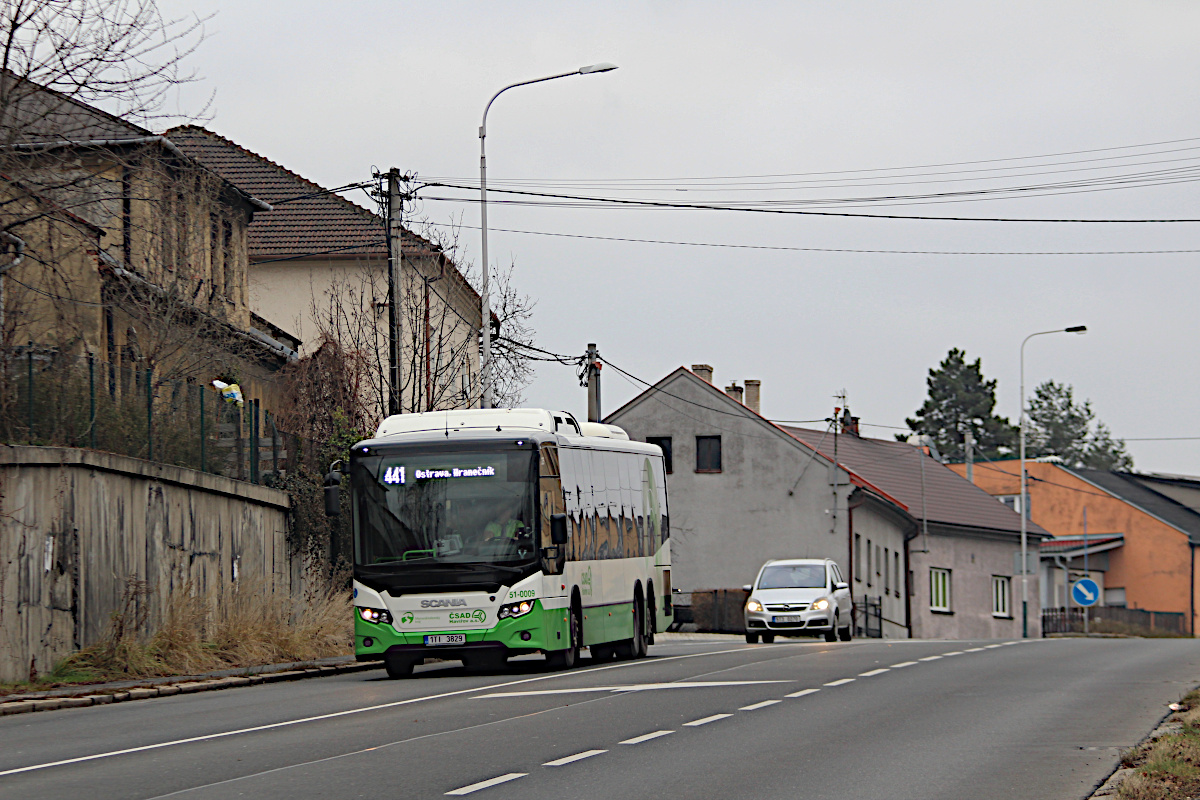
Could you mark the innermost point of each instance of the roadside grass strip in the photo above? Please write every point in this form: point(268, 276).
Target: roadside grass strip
point(696, 723)
point(929, 658)
point(757, 706)
point(562, 762)
point(903, 664)
point(802, 693)
point(645, 737)
point(840, 682)
point(475, 787)
point(873, 673)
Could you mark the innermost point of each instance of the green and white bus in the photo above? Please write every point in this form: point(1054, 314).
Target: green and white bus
point(484, 534)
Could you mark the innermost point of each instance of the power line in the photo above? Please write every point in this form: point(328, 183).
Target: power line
point(830, 249)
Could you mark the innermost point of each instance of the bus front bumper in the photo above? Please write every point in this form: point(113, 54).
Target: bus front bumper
point(539, 630)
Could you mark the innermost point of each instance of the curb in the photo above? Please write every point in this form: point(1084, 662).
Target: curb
point(186, 685)
point(1108, 789)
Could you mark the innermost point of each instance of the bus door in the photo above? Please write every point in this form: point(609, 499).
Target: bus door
point(550, 498)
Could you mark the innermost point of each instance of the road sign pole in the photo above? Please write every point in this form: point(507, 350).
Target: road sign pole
point(1086, 574)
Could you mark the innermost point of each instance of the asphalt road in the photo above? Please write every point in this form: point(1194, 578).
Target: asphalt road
point(698, 719)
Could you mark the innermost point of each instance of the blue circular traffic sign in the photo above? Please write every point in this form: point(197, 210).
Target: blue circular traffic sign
point(1085, 592)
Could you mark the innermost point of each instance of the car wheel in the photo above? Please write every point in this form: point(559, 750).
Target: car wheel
point(845, 633)
point(831, 635)
point(768, 638)
point(751, 638)
point(398, 667)
point(566, 659)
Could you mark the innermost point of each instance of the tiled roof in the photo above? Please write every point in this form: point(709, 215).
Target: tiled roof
point(896, 468)
point(323, 224)
point(42, 115)
point(1127, 487)
point(1106, 541)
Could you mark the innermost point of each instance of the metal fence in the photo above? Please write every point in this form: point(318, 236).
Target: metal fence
point(1114, 619)
point(868, 617)
point(48, 398)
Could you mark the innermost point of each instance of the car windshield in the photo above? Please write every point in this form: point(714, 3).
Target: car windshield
point(423, 509)
point(795, 576)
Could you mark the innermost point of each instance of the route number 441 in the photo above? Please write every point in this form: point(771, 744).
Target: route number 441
point(394, 475)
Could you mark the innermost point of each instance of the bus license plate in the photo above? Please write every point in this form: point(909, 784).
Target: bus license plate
point(784, 618)
point(445, 638)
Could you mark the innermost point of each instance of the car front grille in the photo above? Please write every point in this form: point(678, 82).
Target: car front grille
point(788, 607)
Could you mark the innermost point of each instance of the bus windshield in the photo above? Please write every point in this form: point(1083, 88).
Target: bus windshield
point(423, 508)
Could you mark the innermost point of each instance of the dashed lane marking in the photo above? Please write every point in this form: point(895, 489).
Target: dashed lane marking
point(645, 737)
point(802, 693)
point(840, 682)
point(872, 673)
point(630, 687)
point(757, 706)
point(475, 787)
point(929, 658)
point(560, 762)
point(954, 653)
point(1008, 643)
point(903, 664)
point(696, 723)
point(991, 646)
point(974, 650)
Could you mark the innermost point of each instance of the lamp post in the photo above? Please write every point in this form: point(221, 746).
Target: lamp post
point(485, 355)
point(1024, 504)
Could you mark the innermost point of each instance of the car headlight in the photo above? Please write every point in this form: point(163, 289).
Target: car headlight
point(380, 616)
point(754, 605)
point(515, 609)
point(820, 605)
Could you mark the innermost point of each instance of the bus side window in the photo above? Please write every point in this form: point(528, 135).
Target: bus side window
point(628, 465)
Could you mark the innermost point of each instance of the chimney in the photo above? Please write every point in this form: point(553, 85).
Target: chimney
point(753, 389)
point(734, 391)
point(704, 371)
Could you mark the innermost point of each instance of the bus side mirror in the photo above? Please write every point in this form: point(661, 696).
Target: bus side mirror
point(558, 529)
point(333, 483)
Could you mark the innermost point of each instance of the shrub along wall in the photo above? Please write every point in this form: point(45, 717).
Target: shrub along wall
point(77, 527)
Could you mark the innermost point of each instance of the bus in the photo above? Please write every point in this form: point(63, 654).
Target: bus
point(487, 533)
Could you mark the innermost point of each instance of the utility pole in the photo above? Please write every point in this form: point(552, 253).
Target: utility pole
point(834, 472)
point(969, 446)
point(395, 209)
point(593, 382)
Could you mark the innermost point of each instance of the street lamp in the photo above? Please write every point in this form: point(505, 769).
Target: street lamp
point(1024, 499)
point(485, 356)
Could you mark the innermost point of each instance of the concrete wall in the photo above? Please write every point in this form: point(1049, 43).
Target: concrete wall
point(973, 560)
point(75, 524)
point(725, 525)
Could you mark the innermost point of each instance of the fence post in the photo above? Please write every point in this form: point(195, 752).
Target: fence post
point(92, 394)
point(149, 415)
point(203, 451)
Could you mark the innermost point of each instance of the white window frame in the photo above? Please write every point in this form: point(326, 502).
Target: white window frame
point(939, 589)
point(1002, 596)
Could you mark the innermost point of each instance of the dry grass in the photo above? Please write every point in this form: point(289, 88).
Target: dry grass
point(241, 626)
point(1167, 768)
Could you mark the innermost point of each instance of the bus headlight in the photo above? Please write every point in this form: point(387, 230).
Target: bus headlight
point(379, 616)
point(512, 610)
point(754, 606)
point(820, 605)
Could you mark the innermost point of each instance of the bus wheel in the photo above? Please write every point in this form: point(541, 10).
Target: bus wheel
point(565, 659)
point(651, 619)
point(398, 667)
point(635, 647)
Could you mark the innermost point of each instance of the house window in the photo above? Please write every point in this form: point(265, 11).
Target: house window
point(1001, 592)
point(1013, 501)
point(665, 443)
point(896, 561)
point(939, 589)
point(858, 557)
point(708, 454)
point(227, 259)
point(868, 562)
point(886, 574)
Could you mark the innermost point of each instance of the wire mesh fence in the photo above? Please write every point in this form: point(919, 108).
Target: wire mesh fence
point(49, 398)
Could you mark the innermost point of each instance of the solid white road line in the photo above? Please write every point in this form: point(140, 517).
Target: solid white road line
point(559, 762)
point(757, 706)
point(840, 682)
point(475, 787)
point(630, 687)
point(363, 709)
point(645, 737)
point(872, 673)
point(696, 723)
point(929, 658)
point(903, 664)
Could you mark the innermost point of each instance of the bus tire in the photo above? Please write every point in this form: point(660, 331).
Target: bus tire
point(636, 646)
point(398, 667)
point(652, 618)
point(568, 658)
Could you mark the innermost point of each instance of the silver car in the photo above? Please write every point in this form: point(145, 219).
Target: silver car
point(799, 596)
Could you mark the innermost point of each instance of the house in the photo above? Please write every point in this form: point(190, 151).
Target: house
point(1143, 531)
point(743, 490)
point(964, 561)
point(319, 269)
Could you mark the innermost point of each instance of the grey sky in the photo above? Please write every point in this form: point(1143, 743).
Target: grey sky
point(717, 89)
